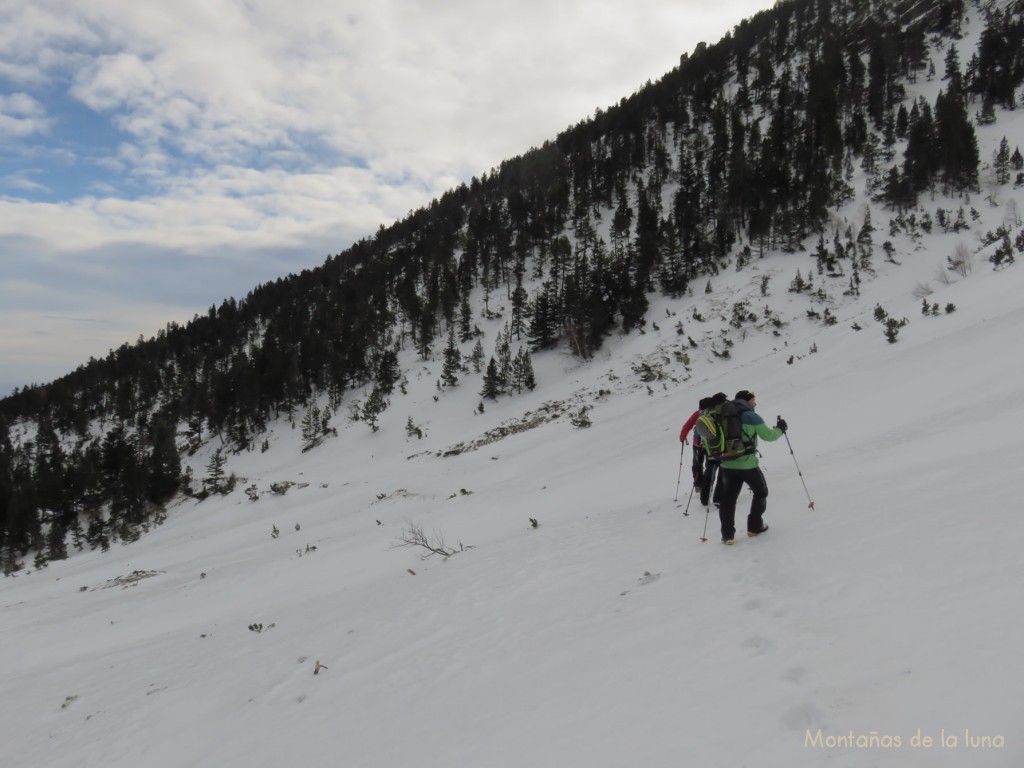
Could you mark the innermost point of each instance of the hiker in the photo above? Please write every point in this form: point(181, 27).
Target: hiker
point(712, 477)
point(698, 452)
point(744, 469)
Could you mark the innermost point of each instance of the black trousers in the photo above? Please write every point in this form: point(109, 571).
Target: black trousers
point(712, 475)
point(733, 481)
point(698, 465)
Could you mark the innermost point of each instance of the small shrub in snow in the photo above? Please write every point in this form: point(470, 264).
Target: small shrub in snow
point(580, 419)
point(1003, 255)
point(412, 430)
point(414, 536)
point(892, 328)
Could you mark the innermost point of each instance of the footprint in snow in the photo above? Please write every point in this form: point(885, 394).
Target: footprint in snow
point(758, 645)
point(803, 717)
point(647, 578)
point(794, 675)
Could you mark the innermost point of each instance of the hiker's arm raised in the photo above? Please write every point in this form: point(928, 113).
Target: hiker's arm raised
point(763, 431)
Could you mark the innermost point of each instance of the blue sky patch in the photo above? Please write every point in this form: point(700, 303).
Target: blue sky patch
point(75, 158)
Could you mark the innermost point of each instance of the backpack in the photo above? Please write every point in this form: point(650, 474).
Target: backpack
point(721, 432)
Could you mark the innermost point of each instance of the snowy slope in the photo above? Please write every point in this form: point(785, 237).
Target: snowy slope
point(610, 635)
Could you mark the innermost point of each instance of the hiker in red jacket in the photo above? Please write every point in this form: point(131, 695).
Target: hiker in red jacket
point(698, 452)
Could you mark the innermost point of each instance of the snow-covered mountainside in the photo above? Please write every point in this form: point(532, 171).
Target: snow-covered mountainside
point(609, 634)
point(579, 619)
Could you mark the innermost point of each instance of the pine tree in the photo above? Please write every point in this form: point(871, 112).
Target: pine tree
point(987, 114)
point(520, 305)
point(504, 355)
point(477, 356)
point(897, 190)
point(864, 235)
point(374, 406)
point(526, 376)
point(311, 425)
point(952, 71)
point(466, 331)
point(425, 336)
point(215, 471)
point(542, 327)
point(1002, 162)
point(798, 284)
point(920, 159)
point(492, 381)
point(957, 143)
point(452, 361)
point(164, 460)
point(1017, 160)
point(388, 371)
point(996, 70)
point(522, 371)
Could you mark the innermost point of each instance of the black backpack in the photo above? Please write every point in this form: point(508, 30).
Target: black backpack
point(721, 432)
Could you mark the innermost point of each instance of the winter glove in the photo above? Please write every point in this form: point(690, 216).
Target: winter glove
point(781, 424)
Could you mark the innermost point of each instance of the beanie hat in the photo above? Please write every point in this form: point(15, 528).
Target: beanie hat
point(744, 394)
point(705, 402)
point(718, 398)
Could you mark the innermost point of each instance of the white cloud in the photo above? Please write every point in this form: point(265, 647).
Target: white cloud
point(40, 39)
point(21, 115)
point(21, 104)
point(20, 181)
point(115, 81)
point(406, 84)
point(224, 207)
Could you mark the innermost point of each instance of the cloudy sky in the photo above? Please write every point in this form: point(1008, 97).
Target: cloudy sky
point(158, 157)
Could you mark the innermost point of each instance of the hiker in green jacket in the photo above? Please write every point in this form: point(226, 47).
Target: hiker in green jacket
point(744, 469)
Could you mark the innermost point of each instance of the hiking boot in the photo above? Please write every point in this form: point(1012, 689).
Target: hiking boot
point(758, 533)
point(730, 542)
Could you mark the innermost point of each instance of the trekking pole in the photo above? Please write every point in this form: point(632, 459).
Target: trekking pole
point(711, 493)
point(811, 504)
point(682, 453)
point(686, 512)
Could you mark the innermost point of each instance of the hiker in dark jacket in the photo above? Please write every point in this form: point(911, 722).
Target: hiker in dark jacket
point(744, 469)
point(698, 451)
point(712, 477)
